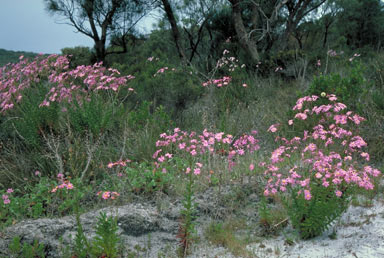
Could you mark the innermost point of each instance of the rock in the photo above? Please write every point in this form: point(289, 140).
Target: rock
point(134, 221)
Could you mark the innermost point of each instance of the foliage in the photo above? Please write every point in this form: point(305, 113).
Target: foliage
point(349, 87)
point(108, 20)
point(79, 56)
point(311, 218)
point(317, 174)
point(187, 231)
point(8, 56)
point(105, 243)
point(26, 250)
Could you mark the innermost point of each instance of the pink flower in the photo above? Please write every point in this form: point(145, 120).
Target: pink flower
point(273, 128)
point(338, 193)
point(7, 201)
point(10, 190)
point(251, 167)
point(37, 173)
point(187, 170)
point(301, 116)
point(196, 171)
point(106, 195)
point(307, 195)
point(262, 164)
point(365, 155)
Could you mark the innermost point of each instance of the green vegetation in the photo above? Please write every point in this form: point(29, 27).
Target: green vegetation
point(186, 112)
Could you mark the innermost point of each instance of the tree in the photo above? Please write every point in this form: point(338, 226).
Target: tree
point(101, 20)
point(360, 22)
point(264, 15)
point(175, 30)
point(297, 11)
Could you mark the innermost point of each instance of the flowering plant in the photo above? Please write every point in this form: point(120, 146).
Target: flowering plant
point(194, 153)
point(317, 173)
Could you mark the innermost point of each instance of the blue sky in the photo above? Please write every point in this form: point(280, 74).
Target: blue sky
point(26, 26)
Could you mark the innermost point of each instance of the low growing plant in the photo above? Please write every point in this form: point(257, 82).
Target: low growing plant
point(317, 174)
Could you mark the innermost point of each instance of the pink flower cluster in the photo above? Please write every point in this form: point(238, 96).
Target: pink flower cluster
point(207, 143)
point(162, 70)
point(121, 163)
point(14, 78)
point(64, 184)
point(108, 195)
point(218, 82)
point(5, 197)
point(230, 61)
point(82, 81)
point(328, 154)
point(63, 83)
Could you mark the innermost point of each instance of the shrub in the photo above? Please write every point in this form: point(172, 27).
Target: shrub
point(349, 87)
point(318, 173)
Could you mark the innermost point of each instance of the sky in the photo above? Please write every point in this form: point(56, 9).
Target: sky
point(25, 25)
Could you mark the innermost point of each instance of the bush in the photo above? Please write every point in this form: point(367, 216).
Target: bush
point(349, 87)
point(317, 174)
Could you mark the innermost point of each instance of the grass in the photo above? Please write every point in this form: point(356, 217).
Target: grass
point(268, 101)
point(224, 234)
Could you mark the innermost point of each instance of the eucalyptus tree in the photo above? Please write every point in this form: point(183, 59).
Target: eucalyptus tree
point(360, 22)
point(188, 20)
point(101, 20)
point(269, 20)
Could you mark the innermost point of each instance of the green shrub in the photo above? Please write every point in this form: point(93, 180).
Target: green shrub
point(349, 87)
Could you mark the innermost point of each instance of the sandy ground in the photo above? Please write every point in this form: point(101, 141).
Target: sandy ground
point(359, 234)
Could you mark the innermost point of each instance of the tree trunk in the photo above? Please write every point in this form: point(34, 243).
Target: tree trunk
point(100, 50)
point(175, 30)
point(325, 35)
point(245, 41)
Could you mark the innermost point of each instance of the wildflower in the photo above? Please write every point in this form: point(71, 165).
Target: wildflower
point(10, 190)
point(323, 94)
point(114, 195)
point(338, 193)
point(37, 173)
point(7, 201)
point(307, 195)
point(273, 128)
point(251, 167)
point(106, 195)
point(196, 171)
